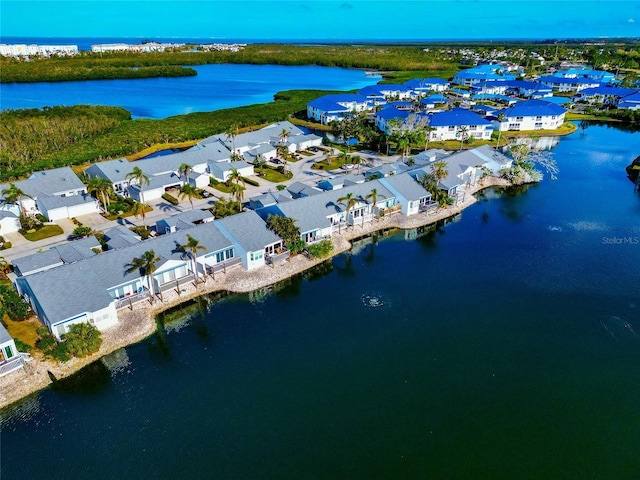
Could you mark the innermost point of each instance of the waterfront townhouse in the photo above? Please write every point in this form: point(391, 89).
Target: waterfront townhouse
point(253, 242)
point(318, 216)
point(482, 73)
point(466, 168)
point(531, 115)
point(93, 289)
point(566, 84)
point(452, 124)
point(328, 108)
point(56, 194)
point(630, 102)
point(424, 86)
point(412, 197)
point(10, 358)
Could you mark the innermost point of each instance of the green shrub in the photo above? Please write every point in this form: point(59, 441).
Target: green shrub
point(14, 306)
point(170, 198)
point(281, 187)
point(81, 231)
point(143, 232)
point(320, 250)
point(46, 341)
point(251, 181)
point(5, 245)
point(213, 182)
point(59, 353)
point(83, 339)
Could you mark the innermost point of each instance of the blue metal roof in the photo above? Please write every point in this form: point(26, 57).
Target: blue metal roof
point(557, 100)
point(330, 102)
point(532, 108)
point(456, 117)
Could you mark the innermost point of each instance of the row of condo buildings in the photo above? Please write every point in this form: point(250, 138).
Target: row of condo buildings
point(78, 282)
point(524, 104)
point(59, 193)
point(33, 50)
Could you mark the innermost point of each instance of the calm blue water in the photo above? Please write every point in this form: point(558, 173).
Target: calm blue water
point(215, 87)
point(504, 349)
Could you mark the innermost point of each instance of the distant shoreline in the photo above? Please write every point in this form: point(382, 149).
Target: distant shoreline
point(84, 42)
point(139, 323)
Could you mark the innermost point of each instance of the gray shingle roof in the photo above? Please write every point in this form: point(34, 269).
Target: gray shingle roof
point(49, 203)
point(4, 335)
point(48, 183)
point(36, 261)
point(249, 230)
point(406, 186)
point(70, 290)
point(311, 212)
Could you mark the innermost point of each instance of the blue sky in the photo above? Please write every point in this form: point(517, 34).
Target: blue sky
point(321, 19)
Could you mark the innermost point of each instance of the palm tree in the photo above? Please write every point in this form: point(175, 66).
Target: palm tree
point(284, 135)
point(501, 118)
point(191, 249)
point(138, 208)
point(188, 191)
point(374, 196)
point(238, 192)
point(439, 170)
point(231, 134)
point(139, 177)
point(350, 201)
point(184, 170)
point(13, 194)
point(234, 177)
point(428, 130)
point(260, 160)
point(464, 134)
point(147, 265)
point(101, 186)
point(374, 199)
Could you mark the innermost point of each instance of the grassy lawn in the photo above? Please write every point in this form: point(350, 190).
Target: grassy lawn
point(24, 330)
point(45, 231)
point(272, 175)
point(331, 163)
point(584, 116)
point(565, 129)
point(224, 188)
point(127, 213)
